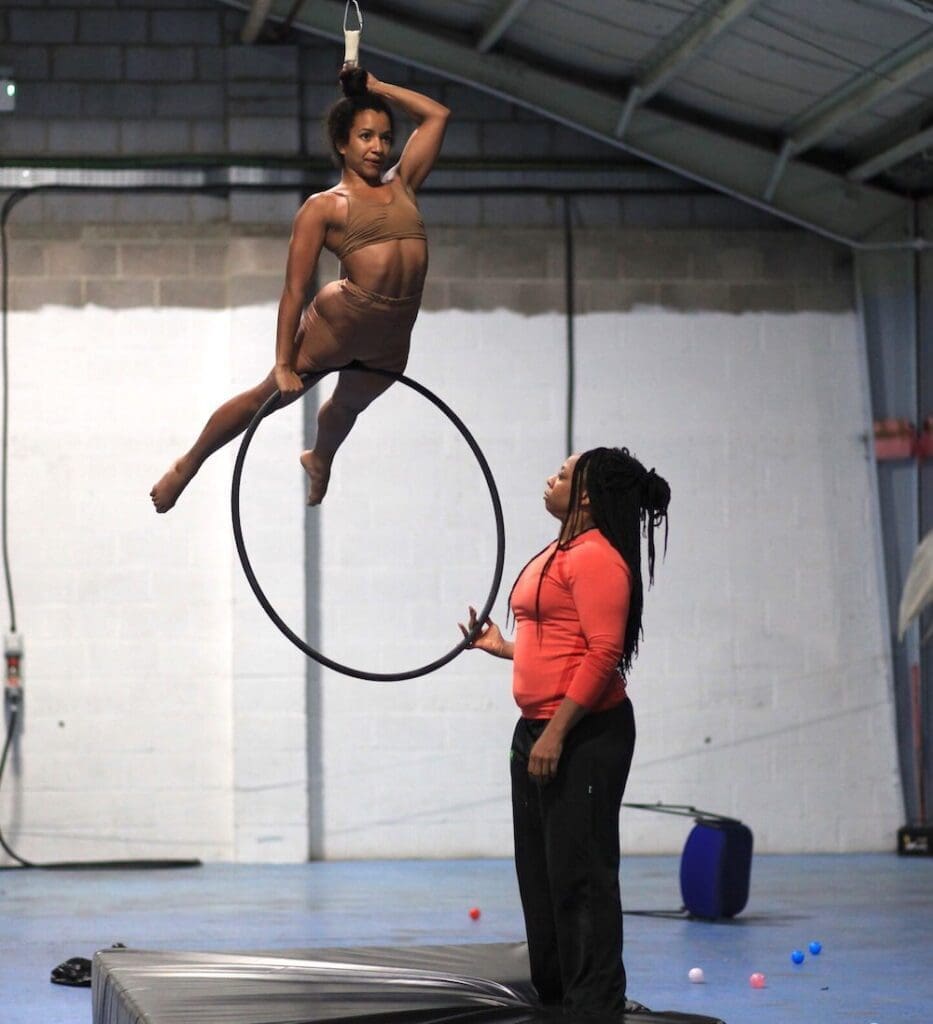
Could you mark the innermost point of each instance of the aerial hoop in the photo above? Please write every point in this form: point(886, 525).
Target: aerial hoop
point(299, 642)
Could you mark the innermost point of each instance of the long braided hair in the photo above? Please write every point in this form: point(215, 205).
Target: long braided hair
point(625, 501)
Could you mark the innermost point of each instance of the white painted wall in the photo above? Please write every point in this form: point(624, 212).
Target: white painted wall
point(762, 689)
point(143, 737)
point(268, 686)
point(421, 768)
point(127, 628)
point(166, 716)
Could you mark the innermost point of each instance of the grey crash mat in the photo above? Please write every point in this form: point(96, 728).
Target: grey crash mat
point(420, 984)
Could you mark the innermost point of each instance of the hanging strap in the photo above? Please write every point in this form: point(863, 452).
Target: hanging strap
point(351, 36)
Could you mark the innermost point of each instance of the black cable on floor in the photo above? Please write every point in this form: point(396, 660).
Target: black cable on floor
point(65, 865)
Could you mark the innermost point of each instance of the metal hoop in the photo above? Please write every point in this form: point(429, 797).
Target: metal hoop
point(268, 406)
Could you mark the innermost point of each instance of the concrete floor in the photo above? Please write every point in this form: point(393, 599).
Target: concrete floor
point(871, 912)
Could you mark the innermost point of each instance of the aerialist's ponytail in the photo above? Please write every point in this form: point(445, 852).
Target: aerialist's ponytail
point(353, 81)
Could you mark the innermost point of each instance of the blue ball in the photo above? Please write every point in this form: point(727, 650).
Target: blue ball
point(797, 956)
point(816, 948)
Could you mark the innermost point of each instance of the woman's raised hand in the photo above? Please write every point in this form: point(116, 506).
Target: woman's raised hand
point(489, 638)
point(358, 84)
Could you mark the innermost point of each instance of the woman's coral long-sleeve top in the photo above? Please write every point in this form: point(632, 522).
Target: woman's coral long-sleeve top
point(571, 643)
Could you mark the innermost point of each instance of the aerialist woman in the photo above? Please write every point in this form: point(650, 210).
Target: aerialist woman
point(370, 221)
point(578, 609)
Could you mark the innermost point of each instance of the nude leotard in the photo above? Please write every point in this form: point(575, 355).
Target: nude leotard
point(346, 322)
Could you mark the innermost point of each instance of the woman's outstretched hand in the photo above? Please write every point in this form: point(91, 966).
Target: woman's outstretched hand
point(489, 637)
point(287, 381)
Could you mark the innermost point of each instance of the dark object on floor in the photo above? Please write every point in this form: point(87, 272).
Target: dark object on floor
point(716, 864)
point(75, 972)
point(486, 983)
point(915, 840)
point(715, 868)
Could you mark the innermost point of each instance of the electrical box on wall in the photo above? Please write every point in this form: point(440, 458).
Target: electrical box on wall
point(7, 91)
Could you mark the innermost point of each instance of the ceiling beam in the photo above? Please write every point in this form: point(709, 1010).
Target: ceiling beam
point(810, 196)
point(499, 23)
point(894, 72)
point(672, 54)
point(675, 52)
point(891, 134)
point(258, 12)
point(922, 9)
point(884, 159)
point(893, 131)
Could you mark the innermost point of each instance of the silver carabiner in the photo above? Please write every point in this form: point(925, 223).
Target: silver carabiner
point(359, 16)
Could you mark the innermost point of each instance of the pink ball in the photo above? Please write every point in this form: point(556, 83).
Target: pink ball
point(757, 980)
point(695, 974)
point(474, 913)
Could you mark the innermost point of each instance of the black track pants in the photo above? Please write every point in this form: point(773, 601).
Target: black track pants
point(567, 861)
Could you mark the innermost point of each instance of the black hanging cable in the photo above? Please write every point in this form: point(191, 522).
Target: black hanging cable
point(569, 288)
point(918, 670)
point(11, 732)
point(11, 201)
point(13, 717)
point(15, 708)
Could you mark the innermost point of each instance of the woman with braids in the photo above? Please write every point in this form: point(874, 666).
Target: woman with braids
point(577, 607)
point(370, 220)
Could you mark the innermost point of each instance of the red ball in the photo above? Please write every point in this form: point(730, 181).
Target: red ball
point(474, 913)
point(757, 980)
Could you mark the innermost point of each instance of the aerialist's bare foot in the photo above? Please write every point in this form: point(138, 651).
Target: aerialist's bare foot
point(318, 474)
point(166, 492)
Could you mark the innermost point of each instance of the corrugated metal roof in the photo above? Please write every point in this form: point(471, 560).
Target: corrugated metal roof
point(817, 110)
point(766, 72)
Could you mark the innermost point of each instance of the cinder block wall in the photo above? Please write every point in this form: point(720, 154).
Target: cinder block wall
point(756, 693)
point(141, 694)
point(728, 363)
point(166, 715)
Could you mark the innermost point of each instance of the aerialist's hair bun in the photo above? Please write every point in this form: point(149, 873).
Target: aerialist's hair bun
point(353, 81)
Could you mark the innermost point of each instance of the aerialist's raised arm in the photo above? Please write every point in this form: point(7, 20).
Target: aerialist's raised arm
point(425, 141)
point(308, 232)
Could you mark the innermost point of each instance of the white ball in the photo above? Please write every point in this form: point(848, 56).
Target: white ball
point(695, 974)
